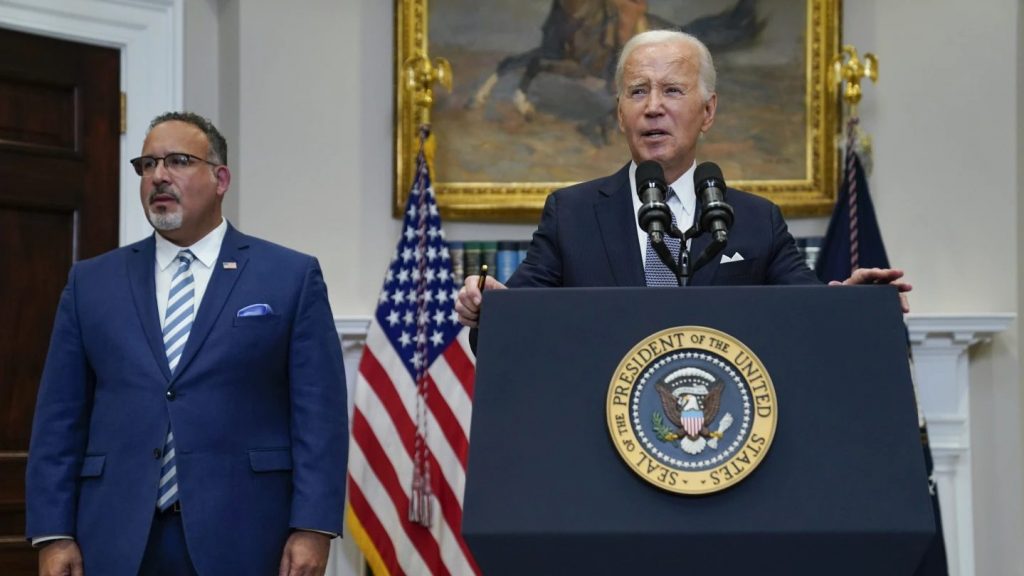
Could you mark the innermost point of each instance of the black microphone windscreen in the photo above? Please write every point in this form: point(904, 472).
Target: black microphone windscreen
point(706, 171)
point(650, 170)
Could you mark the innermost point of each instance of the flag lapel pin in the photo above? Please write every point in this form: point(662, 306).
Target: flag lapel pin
point(229, 265)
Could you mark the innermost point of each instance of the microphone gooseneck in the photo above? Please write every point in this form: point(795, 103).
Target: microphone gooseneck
point(716, 215)
point(653, 216)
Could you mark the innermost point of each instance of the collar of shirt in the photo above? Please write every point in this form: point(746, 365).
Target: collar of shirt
point(682, 203)
point(205, 250)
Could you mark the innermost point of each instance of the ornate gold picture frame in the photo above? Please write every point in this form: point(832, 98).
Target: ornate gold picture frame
point(518, 124)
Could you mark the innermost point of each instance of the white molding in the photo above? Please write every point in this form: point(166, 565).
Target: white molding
point(352, 327)
point(346, 559)
point(959, 328)
point(941, 345)
point(150, 36)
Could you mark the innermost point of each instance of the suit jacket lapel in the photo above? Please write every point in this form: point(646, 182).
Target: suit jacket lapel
point(233, 249)
point(141, 277)
point(616, 219)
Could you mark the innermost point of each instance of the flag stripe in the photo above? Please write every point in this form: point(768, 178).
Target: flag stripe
point(448, 479)
point(461, 364)
point(445, 379)
point(387, 383)
point(449, 425)
point(382, 466)
point(367, 529)
point(400, 428)
point(410, 561)
point(401, 465)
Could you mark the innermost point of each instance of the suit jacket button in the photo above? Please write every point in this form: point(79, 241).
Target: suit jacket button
point(170, 394)
point(156, 453)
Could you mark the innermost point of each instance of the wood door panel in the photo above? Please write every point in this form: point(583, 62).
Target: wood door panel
point(18, 126)
point(37, 249)
point(59, 179)
point(12, 486)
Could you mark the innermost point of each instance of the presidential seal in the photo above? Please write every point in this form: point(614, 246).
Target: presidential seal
point(691, 410)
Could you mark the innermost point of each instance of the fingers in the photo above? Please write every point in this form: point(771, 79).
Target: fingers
point(305, 554)
point(467, 305)
point(874, 276)
point(470, 299)
point(890, 276)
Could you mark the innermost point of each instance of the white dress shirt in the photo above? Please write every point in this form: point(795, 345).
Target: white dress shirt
point(206, 252)
point(682, 204)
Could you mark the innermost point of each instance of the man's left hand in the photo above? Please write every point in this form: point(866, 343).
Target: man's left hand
point(305, 554)
point(879, 276)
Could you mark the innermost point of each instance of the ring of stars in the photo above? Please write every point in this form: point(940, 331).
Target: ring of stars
point(734, 379)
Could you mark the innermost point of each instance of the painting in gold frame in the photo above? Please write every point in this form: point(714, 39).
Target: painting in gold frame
point(497, 159)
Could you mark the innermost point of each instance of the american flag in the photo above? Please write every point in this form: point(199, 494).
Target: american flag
point(413, 398)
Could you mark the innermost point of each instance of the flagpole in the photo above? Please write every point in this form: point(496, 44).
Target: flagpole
point(847, 71)
point(421, 74)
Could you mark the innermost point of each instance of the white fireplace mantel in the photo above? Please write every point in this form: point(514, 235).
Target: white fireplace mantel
point(940, 345)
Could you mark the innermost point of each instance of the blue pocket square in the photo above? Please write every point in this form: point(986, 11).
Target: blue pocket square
point(255, 310)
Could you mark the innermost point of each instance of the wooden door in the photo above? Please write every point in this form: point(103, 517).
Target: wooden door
point(59, 143)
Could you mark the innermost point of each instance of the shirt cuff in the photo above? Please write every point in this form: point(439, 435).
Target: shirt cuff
point(328, 534)
point(37, 542)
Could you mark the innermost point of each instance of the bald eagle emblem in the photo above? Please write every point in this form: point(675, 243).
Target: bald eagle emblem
point(690, 400)
point(691, 409)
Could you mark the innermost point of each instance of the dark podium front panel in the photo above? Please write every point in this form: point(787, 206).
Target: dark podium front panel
point(842, 490)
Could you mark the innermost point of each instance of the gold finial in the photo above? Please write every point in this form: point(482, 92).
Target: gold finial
point(851, 72)
point(420, 76)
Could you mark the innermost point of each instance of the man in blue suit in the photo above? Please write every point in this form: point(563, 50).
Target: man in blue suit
point(192, 413)
point(588, 234)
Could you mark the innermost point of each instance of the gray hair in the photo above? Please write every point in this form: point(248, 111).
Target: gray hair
point(707, 75)
point(218, 145)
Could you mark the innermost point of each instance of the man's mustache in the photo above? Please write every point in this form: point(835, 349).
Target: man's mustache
point(166, 190)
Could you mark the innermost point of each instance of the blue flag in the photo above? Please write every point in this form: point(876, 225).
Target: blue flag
point(853, 239)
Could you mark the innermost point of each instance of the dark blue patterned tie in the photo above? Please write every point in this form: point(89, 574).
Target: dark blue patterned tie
point(656, 273)
point(177, 325)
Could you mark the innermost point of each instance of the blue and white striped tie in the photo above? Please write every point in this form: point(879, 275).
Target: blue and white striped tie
point(177, 324)
point(656, 273)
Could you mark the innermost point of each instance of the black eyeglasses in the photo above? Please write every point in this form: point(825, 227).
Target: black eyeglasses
point(175, 162)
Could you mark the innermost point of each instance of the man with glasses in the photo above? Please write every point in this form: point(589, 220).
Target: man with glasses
point(191, 417)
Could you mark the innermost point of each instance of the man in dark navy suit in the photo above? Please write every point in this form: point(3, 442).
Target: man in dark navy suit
point(191, 417)
point(589, 235)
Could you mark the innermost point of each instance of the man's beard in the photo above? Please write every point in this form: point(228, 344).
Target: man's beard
point(167, 220)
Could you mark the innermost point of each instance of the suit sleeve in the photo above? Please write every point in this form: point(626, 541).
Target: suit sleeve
point(60, 426)
point(542, 267)
point(319, 411)
point(786, 266)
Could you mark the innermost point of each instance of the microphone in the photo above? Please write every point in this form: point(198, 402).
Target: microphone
point(654, 216)
point(716, 216)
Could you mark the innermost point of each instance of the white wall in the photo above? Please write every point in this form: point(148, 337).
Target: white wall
point(945, 118)
point(305, 97)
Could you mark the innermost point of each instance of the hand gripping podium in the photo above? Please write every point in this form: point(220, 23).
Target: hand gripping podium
point(842, 489)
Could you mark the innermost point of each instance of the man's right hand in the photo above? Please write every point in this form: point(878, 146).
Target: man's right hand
point(60, 558)
point(467, 306)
